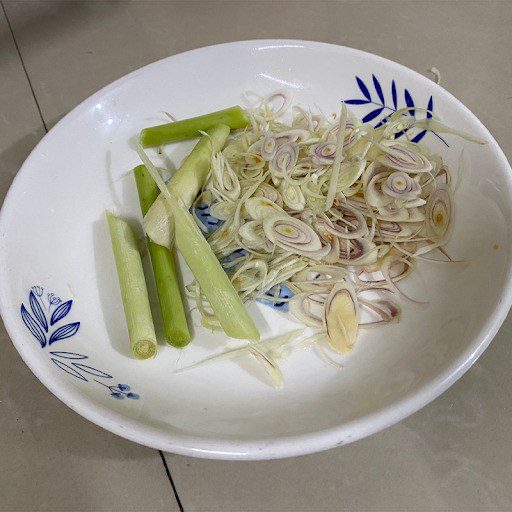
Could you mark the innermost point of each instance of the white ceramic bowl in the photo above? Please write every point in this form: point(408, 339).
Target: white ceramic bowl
point(53, 239)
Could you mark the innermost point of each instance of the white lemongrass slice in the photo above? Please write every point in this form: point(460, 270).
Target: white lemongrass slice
point(222, 210)
point(338, 158)
point(350, 172)
point(439, 212)
point(269, 192)
point(268, 147)
point(398, 156)
point(341, 318)
point(292, 196)
point(291, 234)
point(260, 208)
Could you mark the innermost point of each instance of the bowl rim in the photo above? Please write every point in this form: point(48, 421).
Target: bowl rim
point(284, 446)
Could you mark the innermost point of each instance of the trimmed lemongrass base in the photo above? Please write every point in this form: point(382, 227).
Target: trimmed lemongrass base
point(164, 270)
point(133, 288)
point(144, 349)
point(234, 117)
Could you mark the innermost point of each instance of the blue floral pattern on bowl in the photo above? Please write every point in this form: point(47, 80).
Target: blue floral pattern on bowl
point(384, 108)
point(43, 318)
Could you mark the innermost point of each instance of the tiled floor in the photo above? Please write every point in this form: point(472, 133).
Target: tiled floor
point(453, 455)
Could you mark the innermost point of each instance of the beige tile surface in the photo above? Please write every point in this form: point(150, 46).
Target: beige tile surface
point(456, 454)
point(74, 48)
point(51, 458)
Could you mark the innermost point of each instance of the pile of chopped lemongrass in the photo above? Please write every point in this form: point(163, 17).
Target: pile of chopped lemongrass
point(330, 217)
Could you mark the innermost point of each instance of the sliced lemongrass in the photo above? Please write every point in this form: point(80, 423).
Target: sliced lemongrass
point(341, 318)
point(266, 351)
point(335, 173)
point(205, 266)
point(186, 184)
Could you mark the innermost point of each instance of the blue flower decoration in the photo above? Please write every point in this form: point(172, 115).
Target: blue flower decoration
point(44, 323)
point(120, 392)
point(38, 290)
point(53, 299)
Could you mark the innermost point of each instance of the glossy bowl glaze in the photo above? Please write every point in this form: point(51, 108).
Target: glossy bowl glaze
point(60, 301)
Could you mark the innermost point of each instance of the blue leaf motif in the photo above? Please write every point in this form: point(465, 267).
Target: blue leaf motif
point(441, 139)
point(284, 293)
point(356, 102)
point(430, 107)
point(61, 311)
point(372, 115)
point(41, 322)
point(66, 331)
point(65, 367)
point(38, 311)
point(393, 94)
point(210, 223)
point(68, 355)
point(382, 121)
point(33, 326)
point(418, 137)
point(378, 88)
point(409, 101)
point(364, 89)
point(92, 371)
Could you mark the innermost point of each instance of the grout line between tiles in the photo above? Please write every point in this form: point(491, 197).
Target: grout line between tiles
point(23, 65)
point(164, 462)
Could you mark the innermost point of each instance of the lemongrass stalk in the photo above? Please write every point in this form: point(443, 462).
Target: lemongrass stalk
point(436, 126)
point(213, 280)
point(133, 288)
point(234, 117)
point(186, 183)
point(336, 166)
point(164, 270)
point(205, 266)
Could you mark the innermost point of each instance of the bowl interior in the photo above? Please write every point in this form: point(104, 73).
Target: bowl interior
point(54, 237)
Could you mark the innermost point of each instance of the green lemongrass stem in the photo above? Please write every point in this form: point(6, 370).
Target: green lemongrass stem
point(133, 288)
point(234, 117)
point(336, 166)
point(164, 269)
point(186, 184)
point(214, 282)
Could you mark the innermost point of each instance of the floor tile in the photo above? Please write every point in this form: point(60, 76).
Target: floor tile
point(89, 44)
point(52, 459)
point(20, 124)
point(455, 454)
